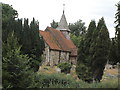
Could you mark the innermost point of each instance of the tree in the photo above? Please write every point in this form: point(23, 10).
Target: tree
point(54, 24)
point(75, 39)
point(8, 20)
point(84, 70)
point(100, 49)
point(118, 29)
point(37, 45)
point(113, 56)
point(78, 28)
point(15, 65)
point(93, 52)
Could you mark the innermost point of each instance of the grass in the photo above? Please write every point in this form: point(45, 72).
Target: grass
point(71, 81)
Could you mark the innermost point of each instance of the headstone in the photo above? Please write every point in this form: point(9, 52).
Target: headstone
point(58, 70)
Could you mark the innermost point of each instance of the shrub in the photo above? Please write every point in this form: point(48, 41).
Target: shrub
point(63, 81)
point(65, 67)
point(53, 81)
point(83, 73)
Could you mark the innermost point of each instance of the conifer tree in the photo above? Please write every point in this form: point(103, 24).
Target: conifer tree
point(118, 30)
point(113, 56)
point(25, 37)
point(100, 51)
point(15, 65)
point(93, 52)
point(37, 45)
point(84, 70)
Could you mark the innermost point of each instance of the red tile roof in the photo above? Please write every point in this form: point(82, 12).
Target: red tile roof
point(56, 40)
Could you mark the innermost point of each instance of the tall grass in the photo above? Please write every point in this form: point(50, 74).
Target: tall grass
point(67, 81)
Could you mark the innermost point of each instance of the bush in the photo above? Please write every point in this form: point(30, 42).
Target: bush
point(53, 81)
point(83, 73)
point(63, 81)
point(65, 67)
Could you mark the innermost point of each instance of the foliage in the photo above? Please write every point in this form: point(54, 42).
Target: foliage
point(41, 80)
point(118, 30)
point(84, 73)
point(28, 35)
point(93, 52)
point(65, 67)
point(54, 81)
point(15, 65)
point(113, 57)
point(8, 18)
point(75, 39)
point(78, 28)
point(54, 24)
point(100, 49)
point(33, 44)
point(83, 69)
point(109, 83)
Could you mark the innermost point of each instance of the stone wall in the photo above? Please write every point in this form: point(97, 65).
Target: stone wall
point(54, 57)
point(64, 57)
point(73, 60)
point(46, 55)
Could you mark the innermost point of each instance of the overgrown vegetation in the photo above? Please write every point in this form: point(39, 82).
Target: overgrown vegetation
point(65, 67)
point(63, 81)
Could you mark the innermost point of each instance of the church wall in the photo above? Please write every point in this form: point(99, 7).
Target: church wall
point(73, 60)
point(64, 57)
point(54, 57)
point(46, 55)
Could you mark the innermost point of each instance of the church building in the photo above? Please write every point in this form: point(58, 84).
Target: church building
point(58, 46)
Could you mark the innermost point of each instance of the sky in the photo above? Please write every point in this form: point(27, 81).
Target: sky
point(45, 11)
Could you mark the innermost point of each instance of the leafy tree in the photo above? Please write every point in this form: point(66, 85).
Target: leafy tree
point(54, 24)
point(15, 65)
point(8, 20)
point(77, 28)
point(75, 39)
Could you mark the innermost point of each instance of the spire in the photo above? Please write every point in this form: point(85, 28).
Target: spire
point(63, 8)
point(62, 25)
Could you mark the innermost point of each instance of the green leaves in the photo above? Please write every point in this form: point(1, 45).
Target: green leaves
point(65, 67)
point(78, 28)
point(54, 24)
